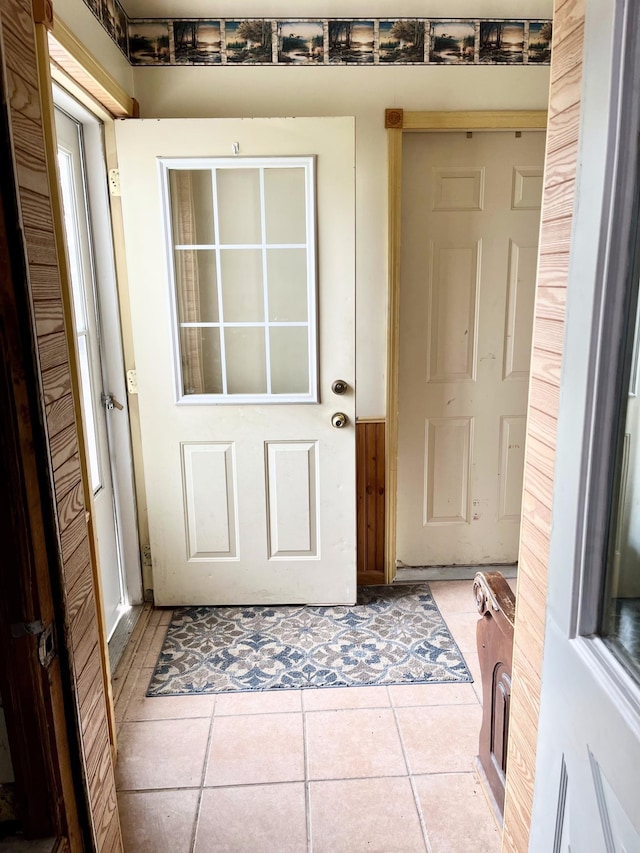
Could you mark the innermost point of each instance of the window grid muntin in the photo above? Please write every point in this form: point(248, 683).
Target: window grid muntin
point(307, 164)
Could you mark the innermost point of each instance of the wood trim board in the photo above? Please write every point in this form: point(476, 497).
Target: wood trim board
point(69, 54)
point(370, 477)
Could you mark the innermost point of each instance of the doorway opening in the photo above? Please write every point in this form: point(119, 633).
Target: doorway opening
point(466, 200)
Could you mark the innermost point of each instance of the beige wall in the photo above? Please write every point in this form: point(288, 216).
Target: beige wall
point(363, 92)
point(341, 8)
point(360, 91)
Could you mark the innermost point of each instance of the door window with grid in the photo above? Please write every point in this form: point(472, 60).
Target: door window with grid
point(242, 259)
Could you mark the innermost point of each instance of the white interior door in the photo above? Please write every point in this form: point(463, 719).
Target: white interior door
point(240, 251)
point(588, 753)
point(81, 265)
point(470, 222)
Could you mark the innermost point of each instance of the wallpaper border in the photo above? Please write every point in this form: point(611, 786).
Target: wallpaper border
point(318, 42)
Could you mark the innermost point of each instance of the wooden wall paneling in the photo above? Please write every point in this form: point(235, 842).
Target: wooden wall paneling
point(33, 139)
point(370, 475)
point(34, 698)
point(553, 266)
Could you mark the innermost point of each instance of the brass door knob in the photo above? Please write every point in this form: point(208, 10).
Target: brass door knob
point(339, 420)
point(340, 387)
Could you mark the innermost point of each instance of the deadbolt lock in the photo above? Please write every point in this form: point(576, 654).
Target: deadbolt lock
point(339, 420)
point(339, 387)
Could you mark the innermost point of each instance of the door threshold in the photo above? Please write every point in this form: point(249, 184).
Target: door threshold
point(411, 574)
point(121, 635)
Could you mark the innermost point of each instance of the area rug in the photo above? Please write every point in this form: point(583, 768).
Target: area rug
point(393, 635)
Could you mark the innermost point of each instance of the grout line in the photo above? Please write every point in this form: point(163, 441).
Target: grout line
point(416, 801)
point(246, 714)
point(423, 825)
point(240, 785)
point(169, 719)
point(157, 790)
point(307, 781)
point(402, 746)
point(205, 767)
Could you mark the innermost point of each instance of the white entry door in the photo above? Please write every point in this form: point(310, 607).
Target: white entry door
point(588, 754)
point(470, 222)
point(240, 250)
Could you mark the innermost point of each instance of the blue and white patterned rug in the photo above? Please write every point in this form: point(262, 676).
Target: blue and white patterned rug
point(393, 635)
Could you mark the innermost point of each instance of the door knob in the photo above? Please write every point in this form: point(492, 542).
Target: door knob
point(339, 420)
point(339, 387)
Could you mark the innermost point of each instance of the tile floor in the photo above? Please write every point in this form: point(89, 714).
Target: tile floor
point(378, 769)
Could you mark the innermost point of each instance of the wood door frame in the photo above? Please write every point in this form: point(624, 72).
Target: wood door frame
point(51, 150)
point(397, 122)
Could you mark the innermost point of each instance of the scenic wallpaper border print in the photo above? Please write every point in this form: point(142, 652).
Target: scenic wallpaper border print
point(402, 41)
point(197, 42)
point(300, 42)
point(453, 42)
point(322, 41)
point(501, 42)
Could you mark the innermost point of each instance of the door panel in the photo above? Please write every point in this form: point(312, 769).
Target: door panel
point(251, 501)
point(471, 211)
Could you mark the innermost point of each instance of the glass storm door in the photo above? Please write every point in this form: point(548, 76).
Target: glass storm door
point(85, 306)
point(241, 271)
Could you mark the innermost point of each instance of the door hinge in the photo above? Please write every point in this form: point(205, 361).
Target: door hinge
point(45, 635)
point(114, 182)
point(132, 382)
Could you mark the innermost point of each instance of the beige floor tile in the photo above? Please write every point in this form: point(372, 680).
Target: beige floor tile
point(456, 814)
point(353, 743)
point(405, 695)
point(357, 815)
point(339, 698)
point(256, 748)
point(454, 596)
point(141, 707)
point(253, 818)
point(440, 739)
point(264, 702)
point(463, 630)
point(161, 754)
point(473, 662)
point(154, 821)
